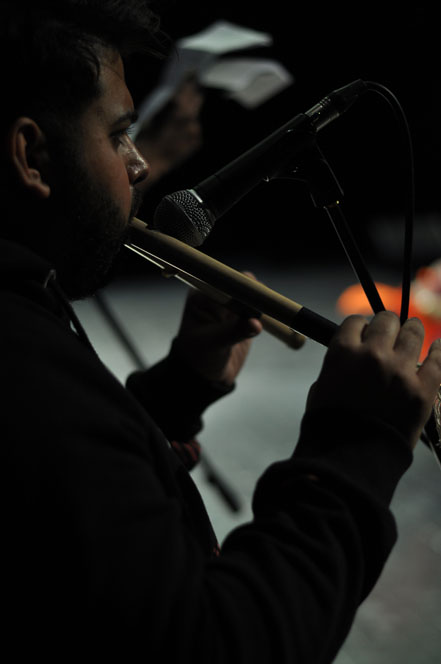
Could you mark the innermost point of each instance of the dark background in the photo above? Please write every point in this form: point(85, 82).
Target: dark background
point(324, 48)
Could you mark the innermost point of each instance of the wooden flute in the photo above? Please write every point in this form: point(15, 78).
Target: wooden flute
point(285, 319)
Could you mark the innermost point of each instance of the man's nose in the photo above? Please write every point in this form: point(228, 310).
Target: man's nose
point(137, 167)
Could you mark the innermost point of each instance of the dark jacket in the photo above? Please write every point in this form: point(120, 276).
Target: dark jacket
point(107, 546)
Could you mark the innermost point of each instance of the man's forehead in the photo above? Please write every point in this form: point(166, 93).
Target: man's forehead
point(112, 61)
point(115, 101)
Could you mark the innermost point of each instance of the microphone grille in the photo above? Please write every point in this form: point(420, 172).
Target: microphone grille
point(183, 216)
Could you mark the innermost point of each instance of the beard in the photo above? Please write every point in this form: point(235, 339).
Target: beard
point(85, 229)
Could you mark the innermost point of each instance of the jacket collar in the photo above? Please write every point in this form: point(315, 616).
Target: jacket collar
point(18, 263)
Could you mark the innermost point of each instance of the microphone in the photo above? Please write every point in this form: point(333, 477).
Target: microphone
point(190, 214)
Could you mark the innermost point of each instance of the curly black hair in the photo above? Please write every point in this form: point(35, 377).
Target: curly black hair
point(50, 52)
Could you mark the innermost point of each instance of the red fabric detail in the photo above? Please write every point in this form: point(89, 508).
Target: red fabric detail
point(189, 452)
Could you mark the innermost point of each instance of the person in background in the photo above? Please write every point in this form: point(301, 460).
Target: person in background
point(174, 134)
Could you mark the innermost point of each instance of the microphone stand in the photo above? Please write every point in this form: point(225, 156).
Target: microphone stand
point(212, 475)
point(326, 193)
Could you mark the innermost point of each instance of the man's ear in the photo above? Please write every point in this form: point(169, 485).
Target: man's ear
point(28, 154)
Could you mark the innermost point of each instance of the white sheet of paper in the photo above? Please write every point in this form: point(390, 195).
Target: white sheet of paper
point(199, 53)
point(250, 81)
point(223, 37)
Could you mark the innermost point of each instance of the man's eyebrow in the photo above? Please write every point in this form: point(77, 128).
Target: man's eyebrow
point(130, 116)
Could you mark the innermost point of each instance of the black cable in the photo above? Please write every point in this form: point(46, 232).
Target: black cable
point(429, 435)
point(409, 195)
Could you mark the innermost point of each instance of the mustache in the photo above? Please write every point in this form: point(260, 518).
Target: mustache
point(137, 199)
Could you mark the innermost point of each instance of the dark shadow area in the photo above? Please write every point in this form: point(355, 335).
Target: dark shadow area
point(324, 48)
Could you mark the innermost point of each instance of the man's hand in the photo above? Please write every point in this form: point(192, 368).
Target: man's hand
point(372, 368)
point(212, 340)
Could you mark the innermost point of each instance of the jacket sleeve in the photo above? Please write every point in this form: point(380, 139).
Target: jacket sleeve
point(286, 586)
point(175, 396)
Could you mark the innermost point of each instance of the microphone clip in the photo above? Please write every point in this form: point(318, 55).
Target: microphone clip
point(314, 170)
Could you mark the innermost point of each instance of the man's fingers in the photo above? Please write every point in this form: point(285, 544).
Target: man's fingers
point(235, 331)
point(350, 330)
point(382, 331)
point(430, 370)
point(410, 340)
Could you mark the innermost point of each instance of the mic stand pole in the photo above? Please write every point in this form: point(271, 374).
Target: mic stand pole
point(119, 331)
point(326, 193)
point(212, 475)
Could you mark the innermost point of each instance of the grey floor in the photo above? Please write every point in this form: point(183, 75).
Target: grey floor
point(401, 621)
